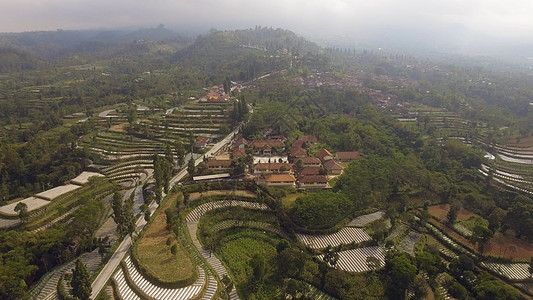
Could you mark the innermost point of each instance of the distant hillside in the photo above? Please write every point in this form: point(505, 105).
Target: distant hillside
point(12, 59)
point(57, 44)
point(244, 54)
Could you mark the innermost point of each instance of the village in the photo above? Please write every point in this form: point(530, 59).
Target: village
point(274, 161)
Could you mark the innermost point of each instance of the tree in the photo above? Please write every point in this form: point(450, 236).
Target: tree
point(128, 218)
point(169, 156)
point(419, 287)
point(186, 197)
point(457, 290)
point(228, 284)
point(259, 268)
point(81, 281)
point(171, 216)
point(331, 256)
point(373, 263)
point(291, 262)
point(284, 244)
point(180, 152)
point(402, 273)
point(453, 213)
point(116, 205)
point(22, 209)
point(191, 168)
point(480, 236)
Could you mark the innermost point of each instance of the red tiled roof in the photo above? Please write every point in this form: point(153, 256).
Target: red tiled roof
point(313, 179)
point(310, 171)
point(297, 143)
point(298, 151)
point(241, 141)
point(201, 141)
point(279, 178)
point(348, 155)
point(310, 160)
point(303, 139)
point(309, 138)
point(238, 152)
point(324, 153)
point(332, 165)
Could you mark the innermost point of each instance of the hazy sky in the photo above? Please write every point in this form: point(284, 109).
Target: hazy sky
point(463, 18)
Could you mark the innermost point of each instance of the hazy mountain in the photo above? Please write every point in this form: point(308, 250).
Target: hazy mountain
point(56, 44)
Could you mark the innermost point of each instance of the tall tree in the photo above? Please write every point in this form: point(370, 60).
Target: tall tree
point(453, 213)
point(159, 177)
point(128, 218)
point(191, 168)
point(81, 281)
point(116, 205)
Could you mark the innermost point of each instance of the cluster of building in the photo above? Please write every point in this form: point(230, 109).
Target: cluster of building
point(215, 94)
point(278, 163)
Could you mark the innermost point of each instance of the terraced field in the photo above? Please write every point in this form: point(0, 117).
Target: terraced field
point(346, 235)
point(363, 220)
point(135, 279)
point(126, 158)
point(361, 259)
point(512, 271)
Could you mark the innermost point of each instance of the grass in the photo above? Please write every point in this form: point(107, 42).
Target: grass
point(290, 198)
point(154, 253)
point(471, 222)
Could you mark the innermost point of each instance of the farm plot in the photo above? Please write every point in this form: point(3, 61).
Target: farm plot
point(346, 235)
point(408, 242)
point(512, 271)
point(196, 214)
point(123, 289)
point(32, 203)
point(440, 212)
point(363, 220)
point(361, 259)
point(53, 193)
point(156, 292)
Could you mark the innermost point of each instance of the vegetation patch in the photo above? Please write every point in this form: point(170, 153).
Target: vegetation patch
point(250, 256)
point(320, 210)
point(155, 257)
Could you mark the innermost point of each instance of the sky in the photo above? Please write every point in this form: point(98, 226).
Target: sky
point(439, 22)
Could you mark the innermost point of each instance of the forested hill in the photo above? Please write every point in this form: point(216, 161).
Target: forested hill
point(12, 59)
point(250, 52)
point(55, 45)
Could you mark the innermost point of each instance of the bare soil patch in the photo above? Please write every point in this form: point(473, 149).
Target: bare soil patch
point(440, 211)
point(119, 127)
point(509, 247)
